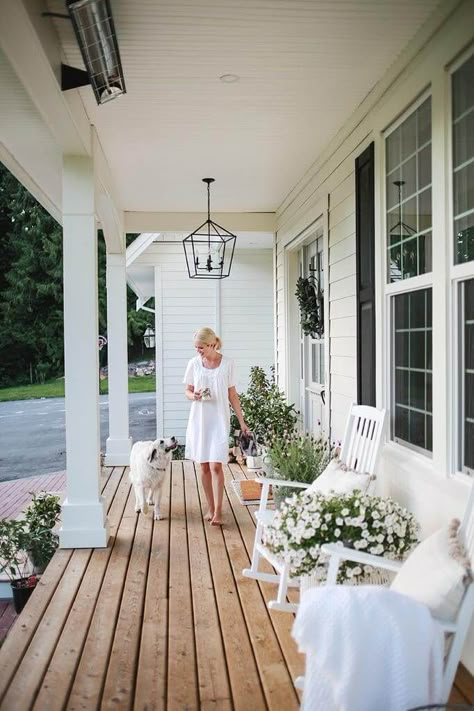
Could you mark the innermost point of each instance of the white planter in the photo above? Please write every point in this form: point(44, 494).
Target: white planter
point(254, 462)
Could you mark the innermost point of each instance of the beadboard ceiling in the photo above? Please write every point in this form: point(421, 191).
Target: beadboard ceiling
point(304, 67)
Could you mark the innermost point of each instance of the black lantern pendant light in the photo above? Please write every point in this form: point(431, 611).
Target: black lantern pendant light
point(209, 250)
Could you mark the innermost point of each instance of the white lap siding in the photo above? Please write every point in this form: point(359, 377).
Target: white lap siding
point(240, 309)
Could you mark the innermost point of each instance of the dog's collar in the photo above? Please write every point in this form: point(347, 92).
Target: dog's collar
point(161, 470)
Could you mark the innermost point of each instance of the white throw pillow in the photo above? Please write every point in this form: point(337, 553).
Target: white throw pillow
point(436, 573)
point(335, 479)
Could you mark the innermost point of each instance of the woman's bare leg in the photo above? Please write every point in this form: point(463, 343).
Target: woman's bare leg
point(206, 478)
point(218, 481)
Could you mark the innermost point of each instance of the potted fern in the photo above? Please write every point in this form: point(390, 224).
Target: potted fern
point(27, 546)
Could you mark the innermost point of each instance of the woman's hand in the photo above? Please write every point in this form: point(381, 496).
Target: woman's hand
point(244, 428)
point(197, 395)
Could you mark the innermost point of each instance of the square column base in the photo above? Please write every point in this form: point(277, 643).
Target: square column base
point(85, 525)
point(117, 452)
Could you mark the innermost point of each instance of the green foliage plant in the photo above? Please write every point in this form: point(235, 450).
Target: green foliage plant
point(264, 407)
point(13, 545)
point(29, 540)
point(299, 457)
point(41, 518)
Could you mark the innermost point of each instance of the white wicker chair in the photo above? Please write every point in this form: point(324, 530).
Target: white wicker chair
point(458, 629)
point(360, 451)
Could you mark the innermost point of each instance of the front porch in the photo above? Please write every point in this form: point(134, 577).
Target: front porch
point(162, 618)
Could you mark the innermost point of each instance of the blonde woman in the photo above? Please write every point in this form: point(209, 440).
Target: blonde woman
point(210, 385)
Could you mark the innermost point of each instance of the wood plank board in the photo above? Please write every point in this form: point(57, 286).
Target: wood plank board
point(30, 672)
point(276, 682)
point(152, 672)
point(214, 688)
point(244, 678)
point(282, 621)
point(120, 680)
point(464, 681)
point(182, 685)
point(88, 683)
point(56, 684)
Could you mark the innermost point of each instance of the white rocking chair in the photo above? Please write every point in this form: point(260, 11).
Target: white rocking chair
point(360, 451)
point(458, 628)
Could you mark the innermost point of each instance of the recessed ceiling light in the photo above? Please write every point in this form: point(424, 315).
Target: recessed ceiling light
point(229, 78)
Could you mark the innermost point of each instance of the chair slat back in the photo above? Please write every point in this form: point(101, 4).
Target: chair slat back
point(362, 438)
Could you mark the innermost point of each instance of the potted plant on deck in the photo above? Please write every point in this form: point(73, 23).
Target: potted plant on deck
point(293, 457)
point(14, 561)
point(265, 411)
point(27, 546)
point(41, 518)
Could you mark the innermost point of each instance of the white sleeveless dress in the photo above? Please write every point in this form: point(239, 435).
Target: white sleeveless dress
point(207, 434)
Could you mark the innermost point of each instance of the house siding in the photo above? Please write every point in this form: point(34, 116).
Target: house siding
point(240, 309)
point(426, 485)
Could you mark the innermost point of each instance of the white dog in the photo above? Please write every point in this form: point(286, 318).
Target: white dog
point(149, 462)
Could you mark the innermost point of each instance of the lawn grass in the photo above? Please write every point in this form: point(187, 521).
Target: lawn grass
point(55, 388)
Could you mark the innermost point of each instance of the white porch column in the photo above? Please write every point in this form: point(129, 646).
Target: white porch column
point(84, 523)
point(119, 442)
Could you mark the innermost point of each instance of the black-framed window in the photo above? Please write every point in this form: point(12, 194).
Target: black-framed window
point(463, 161)
point(408, 196)
point(412, 369)
point(466, 334)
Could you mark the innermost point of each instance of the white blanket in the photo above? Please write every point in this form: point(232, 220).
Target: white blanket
point(367, 648)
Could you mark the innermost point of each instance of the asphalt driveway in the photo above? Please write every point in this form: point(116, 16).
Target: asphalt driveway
point(33, 439)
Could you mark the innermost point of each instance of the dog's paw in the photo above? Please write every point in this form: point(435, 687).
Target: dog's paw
point(141, 509)
point(156, 515)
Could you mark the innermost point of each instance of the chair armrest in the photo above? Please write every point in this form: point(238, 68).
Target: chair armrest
point(356, 556)
point(281, 482)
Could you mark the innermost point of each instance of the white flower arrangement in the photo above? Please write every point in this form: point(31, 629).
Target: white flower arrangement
point(371, 524)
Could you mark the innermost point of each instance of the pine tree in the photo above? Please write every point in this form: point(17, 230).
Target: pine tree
point(31, 290)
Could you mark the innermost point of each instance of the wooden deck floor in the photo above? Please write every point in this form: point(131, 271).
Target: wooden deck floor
point(161, 619)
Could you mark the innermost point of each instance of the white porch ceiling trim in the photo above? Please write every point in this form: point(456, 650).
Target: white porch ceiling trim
point(27, 181)
point(33, 52)
point(189, 221)
point(138, 246)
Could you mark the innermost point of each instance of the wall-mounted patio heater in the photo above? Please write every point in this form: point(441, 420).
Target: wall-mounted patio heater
point(209, 250)
point(95, 33)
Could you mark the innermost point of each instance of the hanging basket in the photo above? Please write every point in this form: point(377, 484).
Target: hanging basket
point(311, 303)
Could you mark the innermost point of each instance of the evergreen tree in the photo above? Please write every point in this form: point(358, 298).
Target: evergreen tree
point(31, 290)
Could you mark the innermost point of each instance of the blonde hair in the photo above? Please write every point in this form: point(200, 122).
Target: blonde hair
point(207, 336)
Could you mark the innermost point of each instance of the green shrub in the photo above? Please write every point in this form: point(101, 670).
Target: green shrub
point(265, 409)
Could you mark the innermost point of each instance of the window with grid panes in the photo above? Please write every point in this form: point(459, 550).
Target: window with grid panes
point(412, 372)
point(467, 374)
point(408, 196)
point(463, 161)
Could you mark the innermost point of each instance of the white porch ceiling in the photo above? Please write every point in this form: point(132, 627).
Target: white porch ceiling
point(304, 66)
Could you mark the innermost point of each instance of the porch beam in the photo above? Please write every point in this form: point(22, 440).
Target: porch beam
point(31, 46)
point(119, 442)
point(107, 203)
point(84, 524)
point(188, 221)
